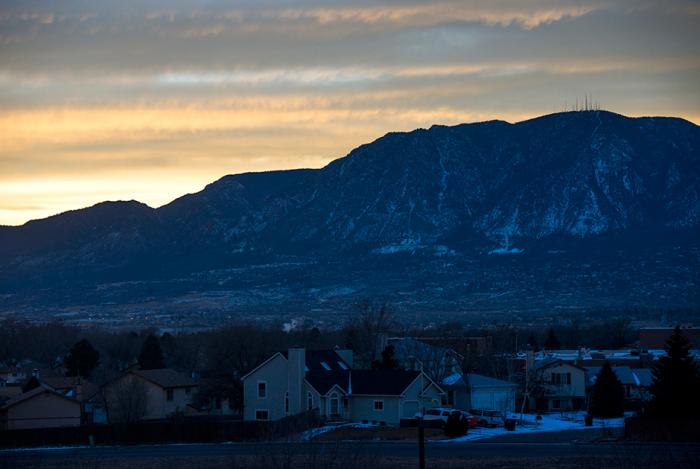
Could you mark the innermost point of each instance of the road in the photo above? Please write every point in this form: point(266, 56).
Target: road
point(474, 449)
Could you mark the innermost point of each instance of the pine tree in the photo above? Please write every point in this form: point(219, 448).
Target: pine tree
point(551, 342)
point(82, 359)
point(151, 356)
point(676, 385)
point(608, 394)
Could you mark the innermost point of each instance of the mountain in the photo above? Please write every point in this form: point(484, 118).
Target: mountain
point(494, 201)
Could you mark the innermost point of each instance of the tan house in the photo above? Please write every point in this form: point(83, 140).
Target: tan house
point(42, 407)
point(146, 395)
point(323, 380)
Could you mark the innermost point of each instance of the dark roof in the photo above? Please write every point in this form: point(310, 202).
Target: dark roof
point(626, 375)
point(335, 372)
point(33, 393)
point(477, 381)
point(382, 382)
point(167, 378)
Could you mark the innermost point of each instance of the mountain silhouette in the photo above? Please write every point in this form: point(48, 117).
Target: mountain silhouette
point(480, 203)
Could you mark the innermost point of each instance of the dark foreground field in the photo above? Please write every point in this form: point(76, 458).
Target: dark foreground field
point(375, 455)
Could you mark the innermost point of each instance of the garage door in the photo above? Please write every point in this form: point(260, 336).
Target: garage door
point(410, 408)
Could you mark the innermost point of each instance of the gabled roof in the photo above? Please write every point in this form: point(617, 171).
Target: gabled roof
point(552, 361)
point(626, 375)
point(167, 378)
point(645, 376)
point(480, 381)
point(283, 355)
point(33, 393)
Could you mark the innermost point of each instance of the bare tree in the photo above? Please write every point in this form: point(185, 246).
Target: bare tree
point(367, 330)
point(126, 400)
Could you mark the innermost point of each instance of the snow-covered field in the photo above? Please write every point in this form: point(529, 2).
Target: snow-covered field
point(549, 423)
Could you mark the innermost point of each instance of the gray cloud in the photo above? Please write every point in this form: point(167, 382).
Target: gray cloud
point(93, 89)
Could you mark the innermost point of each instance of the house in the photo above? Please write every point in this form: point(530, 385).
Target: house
point(416, 354)
point(145, 395)
point(298, 380)
point(474, 391)
point(636, 381)
point(12, 374)
point(559, 386)
point(41, 407)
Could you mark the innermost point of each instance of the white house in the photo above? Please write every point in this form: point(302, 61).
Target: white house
point(474, 391)
point(560, 386)
point(298, 380)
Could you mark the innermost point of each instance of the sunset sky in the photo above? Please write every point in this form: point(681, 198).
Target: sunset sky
point(148, 100)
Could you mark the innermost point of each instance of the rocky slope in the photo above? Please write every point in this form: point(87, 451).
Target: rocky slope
point(559, 182)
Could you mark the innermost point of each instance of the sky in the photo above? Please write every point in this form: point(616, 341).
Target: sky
point(152, 99)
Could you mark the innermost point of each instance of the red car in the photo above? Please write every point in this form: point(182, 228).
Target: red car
point(472, 419)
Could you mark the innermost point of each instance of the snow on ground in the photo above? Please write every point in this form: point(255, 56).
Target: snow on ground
point(529, 424)
point(502, 251)
point(314, 432)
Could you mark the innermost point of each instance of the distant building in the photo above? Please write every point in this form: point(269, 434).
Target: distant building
point(12, 374)
point(324, 381)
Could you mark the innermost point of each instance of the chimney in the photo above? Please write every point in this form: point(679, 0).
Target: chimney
point(296, 369)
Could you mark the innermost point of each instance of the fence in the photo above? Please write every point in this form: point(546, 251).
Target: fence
point(181, 430)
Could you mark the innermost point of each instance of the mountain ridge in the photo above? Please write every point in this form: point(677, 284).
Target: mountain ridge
point(467, 191)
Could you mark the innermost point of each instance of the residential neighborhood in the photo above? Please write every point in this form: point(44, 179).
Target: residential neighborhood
point(410, 377)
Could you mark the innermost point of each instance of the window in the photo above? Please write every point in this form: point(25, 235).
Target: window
point(556, 404)
point(262, 414)
point(217, 403)
point(169, 394)
point(262, 389)
point(379, 405)
point(325, 366)
point(309, 401)
point(560, 378)
point(286, 402)
point(342, 365)
point(451, 397)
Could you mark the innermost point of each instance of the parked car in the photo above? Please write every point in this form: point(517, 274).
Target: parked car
point(488, 417)
point(437, 417)
point(473, 420)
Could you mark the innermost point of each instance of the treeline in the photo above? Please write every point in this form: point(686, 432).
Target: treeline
point(616, 332)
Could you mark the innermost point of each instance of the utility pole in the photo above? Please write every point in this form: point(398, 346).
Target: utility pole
point(421, 430)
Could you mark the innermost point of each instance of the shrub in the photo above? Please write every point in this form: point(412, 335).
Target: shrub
point(455, 426)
